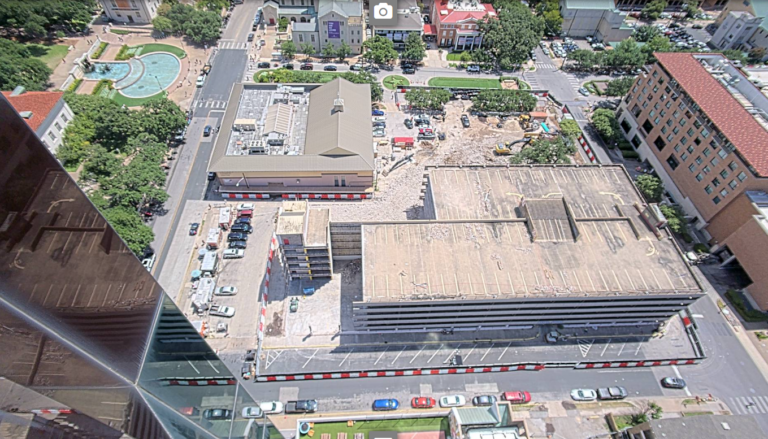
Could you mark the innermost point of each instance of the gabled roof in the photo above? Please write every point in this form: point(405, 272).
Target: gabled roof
point(40, 103)
point(446, 15)
point(344, 8)
point(728, 115)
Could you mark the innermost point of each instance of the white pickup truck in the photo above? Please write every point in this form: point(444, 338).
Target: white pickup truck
point(222, 311)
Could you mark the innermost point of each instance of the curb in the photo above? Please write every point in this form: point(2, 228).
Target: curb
point(299, 196)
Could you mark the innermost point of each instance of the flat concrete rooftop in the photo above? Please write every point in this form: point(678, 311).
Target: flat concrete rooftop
point(524, 232)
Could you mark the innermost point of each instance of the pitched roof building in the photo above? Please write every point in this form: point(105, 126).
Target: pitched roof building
point(44, 111)
point(456, 23)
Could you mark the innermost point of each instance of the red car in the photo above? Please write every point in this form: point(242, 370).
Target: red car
point(517, 397)
point(422, 402)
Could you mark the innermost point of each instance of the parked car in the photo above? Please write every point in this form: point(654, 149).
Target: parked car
point(385, 404)
point(307, 66)
point(245, 206)
point(271, 407)
point(193, 228)
point(584, 91)
point(484, 400)
point(222, 311)
point(207, 130)
point(452, 401)
point(379, 133)
point(239, 227)
point(245, 213)
point(427, 19)
point(356, 67)
point(237, 245)
point(287, 66)
point(423, 402)
point(408, 123)
point(226, 291)
point(516, 397)
point(200, 80)
point(211, 176)
point(376, 112)
point(673, 383)
point(252, 412)
point(378, 118)
point(379, 124)
point(697, 26)
point(237, 236)
point(250, 37)
point(263, 65)
point(465, 121)
point(583, 395)
point(217, 414)
point(330, 68)
point(301, 406)
point(231, 253)
point(473, 68)
point(409, 70)
point(243, 220)
point(608, 393)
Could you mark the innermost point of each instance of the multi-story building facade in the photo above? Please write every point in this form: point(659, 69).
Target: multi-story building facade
point(596, 18)
point(45, 112)
point(92, 346)
point(672, 5)
point(758, 37)
point(735, 30)
point(131, 11)
point(409, 21)
point(703, 126)
point(456, 23)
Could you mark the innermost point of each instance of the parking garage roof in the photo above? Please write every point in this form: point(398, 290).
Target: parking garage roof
point(524, 232)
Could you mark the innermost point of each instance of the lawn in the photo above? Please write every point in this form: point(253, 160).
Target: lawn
point(158, 47)
point(392, 81)
point(323, 76)
point(135, 102)
point(454, 56)
point(120, 31)
point(50, 55)
point(464, 82)
point(400, 425)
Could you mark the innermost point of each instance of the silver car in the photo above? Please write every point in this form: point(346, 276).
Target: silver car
point(583, 395)
point(226, 291)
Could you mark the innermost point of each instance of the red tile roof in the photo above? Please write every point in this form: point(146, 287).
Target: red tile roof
point(40, 103)
point(730, 117)
point(457, 16)
point(429, 29)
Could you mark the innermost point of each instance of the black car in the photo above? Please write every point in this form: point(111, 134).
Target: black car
point(484, 400)
point(207, 130)
point(307, 66)
point(217, 414)
point(237, 245)
point(409, 70)
point(330, 68)
point(193, 229)
point(211, 176)
point(250, 37)
point(263, 65)
point(379, 124)
point(301, 406)
point(287, 66)
point(243, 228)
point(465, 121)
point(237, 236)
point(408, 123)
point(427, 19)
point(243, 220)
point(673, 383)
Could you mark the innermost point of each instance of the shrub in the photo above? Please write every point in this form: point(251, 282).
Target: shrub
point(687, 238)
point(100, 50)
point(746, 313)
point(630, 154)
point(700, 248)
point(104, 83)
point(74, 85)
point(124, 54)
point(120, 31)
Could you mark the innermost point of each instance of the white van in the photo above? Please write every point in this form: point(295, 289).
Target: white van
point(233, 253)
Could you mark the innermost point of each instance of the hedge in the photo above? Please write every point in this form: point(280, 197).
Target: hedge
point(746, 313)
point(630, 154)
point(74, 85)
point(100, 86)
point(100, 50)
point(123, 54)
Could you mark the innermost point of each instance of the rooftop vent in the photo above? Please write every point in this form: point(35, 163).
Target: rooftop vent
point(338, 105)
point(26, 114)
point(18, 90)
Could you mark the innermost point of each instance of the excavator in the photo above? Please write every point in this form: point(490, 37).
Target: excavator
point(506, 147)
point(526, 123)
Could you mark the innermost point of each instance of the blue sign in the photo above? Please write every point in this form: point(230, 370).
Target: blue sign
point(334, 29)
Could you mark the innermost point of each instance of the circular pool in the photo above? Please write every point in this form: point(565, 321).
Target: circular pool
point(139, 77)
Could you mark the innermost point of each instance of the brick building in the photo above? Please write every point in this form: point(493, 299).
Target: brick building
point(45, 112)
point(455, 24)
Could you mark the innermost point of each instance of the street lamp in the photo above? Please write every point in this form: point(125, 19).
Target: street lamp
point(158, 83)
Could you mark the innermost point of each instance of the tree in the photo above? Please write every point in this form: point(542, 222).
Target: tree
point(17, 67)
point(163, 9)
point(659, 43)
point(428, 99)
point(503, 101)
point(329, 51)
point(180, 15)
point(691, 8)
point(511, 35)
point(38, 17)
point(650, 186)
point(128, 225)
point(756, 54)
point(379, 50)
point(626, 54)
point(542, 151)
point(465, 56)
point(674, 216)
point(414, 48)
point(102, 163)
point(77, 140)
point(619, 87)
point(288, 49)
point(570, 128)
point(604, 121)
point(366, 78)
point(282, 24)
point(307, 49)
point(654, 9)
point(204, 26)
point(645, 33)
point(586, 59)
point(35, 25)
point(162, 24)
point(735, 55)
point(344, 51)
point(212, 5)
point(161, 118)
point(553, 21)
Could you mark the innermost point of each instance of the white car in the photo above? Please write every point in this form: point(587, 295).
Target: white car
point(271, 407)
point(379, 133)
point(222, 311)
point(379, 119)
point(452, 401)
point(246, 206)
point(200, 80)
point(226, 291)
point(583, 395)
point(252, 412)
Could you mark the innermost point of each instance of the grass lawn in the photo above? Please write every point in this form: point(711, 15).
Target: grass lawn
point(454, 56)
point(464, 82)
point(51, 55)
point(392, 81)
point(623, 421)
point(400, 425)
point(323, 76)
point(135, 102)
point(120, 31)
point(158, 47)
point(696, 413)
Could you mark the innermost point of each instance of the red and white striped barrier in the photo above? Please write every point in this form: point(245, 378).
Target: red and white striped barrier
point(212, 381)
point(53, 411)
point(298, 196)
point(648, 363)
point(263, 313)
point(397, 373)
point(686, 320)
point(587, 149)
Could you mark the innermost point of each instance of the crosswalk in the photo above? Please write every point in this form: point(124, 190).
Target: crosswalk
point(532, 81)
point(748, 405)
point(225, 44)
point(210, 103)
point(545, 66)
point(574, 81)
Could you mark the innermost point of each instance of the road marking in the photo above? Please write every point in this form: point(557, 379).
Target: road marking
point(345, 358)
point(270, 359)
point(585, 346)
point(310, 358)
point(639, 345)
point(697, 316)
point(212, 366)
point(606, 347)
point(433, 355)
point(622, 347)
point(382, 354)
point(470, 351)
point(190, 363)
point(398, 355)
point(677, 373)
point(486, 352)
point(734, 406)
point(453, 354)
point(417, 354)
point(505, 350)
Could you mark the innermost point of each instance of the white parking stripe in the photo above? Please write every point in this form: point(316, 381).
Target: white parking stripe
point(734, 406)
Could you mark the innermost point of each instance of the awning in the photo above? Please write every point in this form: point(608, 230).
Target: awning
point(429, 29)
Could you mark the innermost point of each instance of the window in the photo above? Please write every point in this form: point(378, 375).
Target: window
point(657, 120)
point(690, 149)
point(706, 169)
point(722, 153)
point(672, 162)
point(716, 200)
point(668, 104)
point(676, 130)
point(724, 173)
point(57, 125)
point(692, 167)
point(301, 38)
point(52, 136)
point(669, 122)
point(655, 88)
point(670, 137)
point(683, 122)
point(656, 74)
point(645, 104)
point(312, 37)
point(636, 141)
point(733, 166)
point(684, 140)
point(656, 106)
point(697, 141)
point(664, 130)
point(699, 177)
point(625, 126)
point(677, 148)
point(724, 192)
point(742, 176)
point(697, 124)
point(732, 184)
point(663, 113)
point(636, 111)
point(684, 157)
point(714, 161)
point(659, 142)
point(64, 118)
point(647, 126)
point(708, 189)
point(706, 152)
point(652, 113)
point(715, 182)
point(699, 160)
point(705, 133)
point(690, 132)
point(676, 114)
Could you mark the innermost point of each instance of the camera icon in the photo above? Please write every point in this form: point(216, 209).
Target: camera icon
point(383, 11)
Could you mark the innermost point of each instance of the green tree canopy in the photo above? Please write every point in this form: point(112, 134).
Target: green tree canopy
point(645, 33)
point(344, 51)
point(414, 48)
point(161, 118)
point(38, 17)
point(162, 24)
point(585, 59)
point(543, 151)
point(329, 51)
point(128, 225)
point(288, 49)
point(203, 27)
point(650, 186)
point(307, 49)
point(428, 99)
point(620, 86)
point(675, 217)
point(553, 21)
point(101, 163)
point(503, 101)
point(654, 9)
point(511, 35)
point(17, 67)
point(379, 50)
point(570, 128)
point(756, 54)
point(735, 55)
point(626, 54)
point(604, 121)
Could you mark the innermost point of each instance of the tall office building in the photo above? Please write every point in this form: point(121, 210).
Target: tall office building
point(91, 345)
